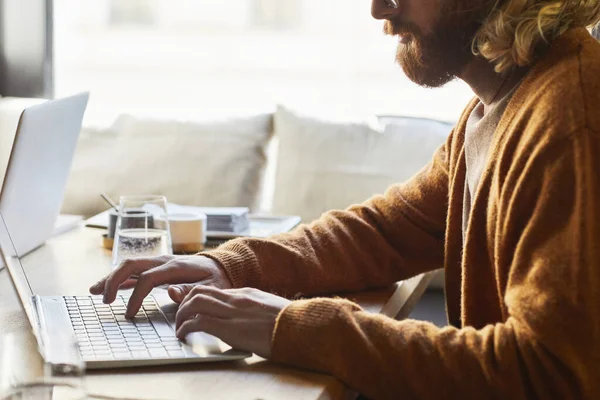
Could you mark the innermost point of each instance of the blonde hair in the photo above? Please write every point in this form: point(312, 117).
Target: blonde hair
point(515, 30)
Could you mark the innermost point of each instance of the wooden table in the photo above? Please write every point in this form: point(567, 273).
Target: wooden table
point(69, 263)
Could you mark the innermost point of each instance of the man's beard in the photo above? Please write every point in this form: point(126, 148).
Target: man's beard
point(436, 59)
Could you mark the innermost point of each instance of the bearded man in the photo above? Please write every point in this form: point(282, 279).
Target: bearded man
point(509, 206)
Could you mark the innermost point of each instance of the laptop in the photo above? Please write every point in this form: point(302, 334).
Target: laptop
point(29, 204)
point(104, 337)
point(38, 169)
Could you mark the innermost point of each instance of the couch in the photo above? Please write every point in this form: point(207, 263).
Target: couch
point(286, 162)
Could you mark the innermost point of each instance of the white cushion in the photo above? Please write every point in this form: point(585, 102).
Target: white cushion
point(324, 165)
point(210, 163)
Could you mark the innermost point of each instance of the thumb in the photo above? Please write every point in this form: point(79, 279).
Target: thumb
point(178, 292)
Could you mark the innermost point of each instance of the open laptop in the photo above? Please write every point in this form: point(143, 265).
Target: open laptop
point(105, 338)
point(30, 201)
point(38, 169)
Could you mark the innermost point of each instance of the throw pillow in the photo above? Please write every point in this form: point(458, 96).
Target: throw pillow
point(211, 163)
point(324, 165)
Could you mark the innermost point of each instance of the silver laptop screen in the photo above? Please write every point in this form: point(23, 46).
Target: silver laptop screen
point(15, 269)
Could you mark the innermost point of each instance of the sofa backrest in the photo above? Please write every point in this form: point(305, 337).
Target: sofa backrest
point(312, 164)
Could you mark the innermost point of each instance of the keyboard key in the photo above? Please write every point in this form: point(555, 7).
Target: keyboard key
point(111, 329)
point(155, 353)
point(176, 354)
point(146, 328)
point(170, 342)
point(154, 345)
point(173, 348)
point(140, 355)
point(113, 335)
point(162, 327)
point(122, 355)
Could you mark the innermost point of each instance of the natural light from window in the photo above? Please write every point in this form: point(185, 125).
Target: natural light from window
point(188, 58)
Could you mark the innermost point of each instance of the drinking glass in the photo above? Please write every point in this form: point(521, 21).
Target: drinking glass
point(142, 228)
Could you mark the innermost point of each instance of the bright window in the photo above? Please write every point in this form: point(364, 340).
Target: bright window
point(185, 58)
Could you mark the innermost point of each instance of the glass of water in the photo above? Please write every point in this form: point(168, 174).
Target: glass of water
point(142, 229)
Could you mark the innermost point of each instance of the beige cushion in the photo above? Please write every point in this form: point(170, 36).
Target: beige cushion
point(324, 164)
point(208, 163)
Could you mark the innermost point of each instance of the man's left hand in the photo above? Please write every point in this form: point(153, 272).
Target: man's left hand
point(242, 318)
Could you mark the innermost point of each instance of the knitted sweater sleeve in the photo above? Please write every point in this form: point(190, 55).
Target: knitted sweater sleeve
point(388, 238)
point(547, 347)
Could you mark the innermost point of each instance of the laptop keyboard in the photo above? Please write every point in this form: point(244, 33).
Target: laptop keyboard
point(103, 333)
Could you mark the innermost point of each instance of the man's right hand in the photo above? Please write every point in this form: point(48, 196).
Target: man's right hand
point(144, 274)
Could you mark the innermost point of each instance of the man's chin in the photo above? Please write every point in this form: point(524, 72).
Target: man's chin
point(424, 75)
point(406, 40)
point(430, 72)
